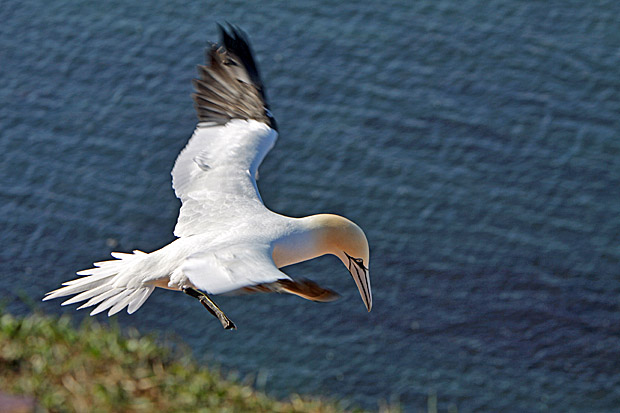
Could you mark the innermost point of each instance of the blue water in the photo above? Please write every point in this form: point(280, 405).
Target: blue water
point(475, 142)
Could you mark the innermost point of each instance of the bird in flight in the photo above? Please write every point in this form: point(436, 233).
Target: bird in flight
point(228, 241)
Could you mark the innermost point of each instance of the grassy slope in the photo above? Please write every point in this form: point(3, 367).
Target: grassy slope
point(96, 368)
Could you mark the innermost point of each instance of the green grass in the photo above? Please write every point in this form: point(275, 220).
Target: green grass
point(97, 368)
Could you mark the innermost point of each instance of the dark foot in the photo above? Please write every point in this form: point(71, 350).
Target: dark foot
point(210, 305)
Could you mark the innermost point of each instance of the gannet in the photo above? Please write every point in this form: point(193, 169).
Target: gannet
point(227, 240)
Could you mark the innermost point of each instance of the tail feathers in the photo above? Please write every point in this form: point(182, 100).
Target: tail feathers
point(86, 295)
point(139, 300)
point(98, 287)
point(117, 295)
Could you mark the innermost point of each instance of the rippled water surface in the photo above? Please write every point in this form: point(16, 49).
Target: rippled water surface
point(475, 142)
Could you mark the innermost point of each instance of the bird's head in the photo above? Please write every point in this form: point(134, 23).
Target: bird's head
point(347, 241)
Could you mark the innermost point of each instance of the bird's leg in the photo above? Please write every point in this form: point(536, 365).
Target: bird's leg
point(211, 306)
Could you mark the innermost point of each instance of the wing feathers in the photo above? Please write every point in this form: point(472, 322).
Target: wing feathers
point(307, 289)
point(231, 268)
point(303, 288)
point(230, 87)
point(215, 175)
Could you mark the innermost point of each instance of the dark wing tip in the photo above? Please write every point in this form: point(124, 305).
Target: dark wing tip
point(230, 87)
point(307, 289)
point(236, 42)
point(303, 288)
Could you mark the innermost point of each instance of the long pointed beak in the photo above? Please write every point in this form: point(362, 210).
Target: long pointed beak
point(362, 280)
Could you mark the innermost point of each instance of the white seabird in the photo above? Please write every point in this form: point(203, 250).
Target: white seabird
point(228, 241)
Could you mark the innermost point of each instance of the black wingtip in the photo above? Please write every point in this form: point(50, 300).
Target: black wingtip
point(230, 86)
point(235, 41)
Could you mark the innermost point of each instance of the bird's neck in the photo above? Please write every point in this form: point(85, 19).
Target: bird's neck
point(308, 238)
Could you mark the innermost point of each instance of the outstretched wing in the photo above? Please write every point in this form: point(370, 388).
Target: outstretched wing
point(247, 268)
point(231, 268)
point(215, 175)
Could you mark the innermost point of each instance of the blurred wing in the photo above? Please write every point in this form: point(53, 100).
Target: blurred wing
point(215, 175)
point(229, 269)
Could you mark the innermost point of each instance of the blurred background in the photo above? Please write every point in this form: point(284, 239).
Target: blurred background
point(475, 142)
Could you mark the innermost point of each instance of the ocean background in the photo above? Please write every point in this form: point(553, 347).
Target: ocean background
point(477, 144)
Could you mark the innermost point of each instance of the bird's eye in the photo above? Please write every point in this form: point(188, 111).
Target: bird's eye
point(358, 261)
